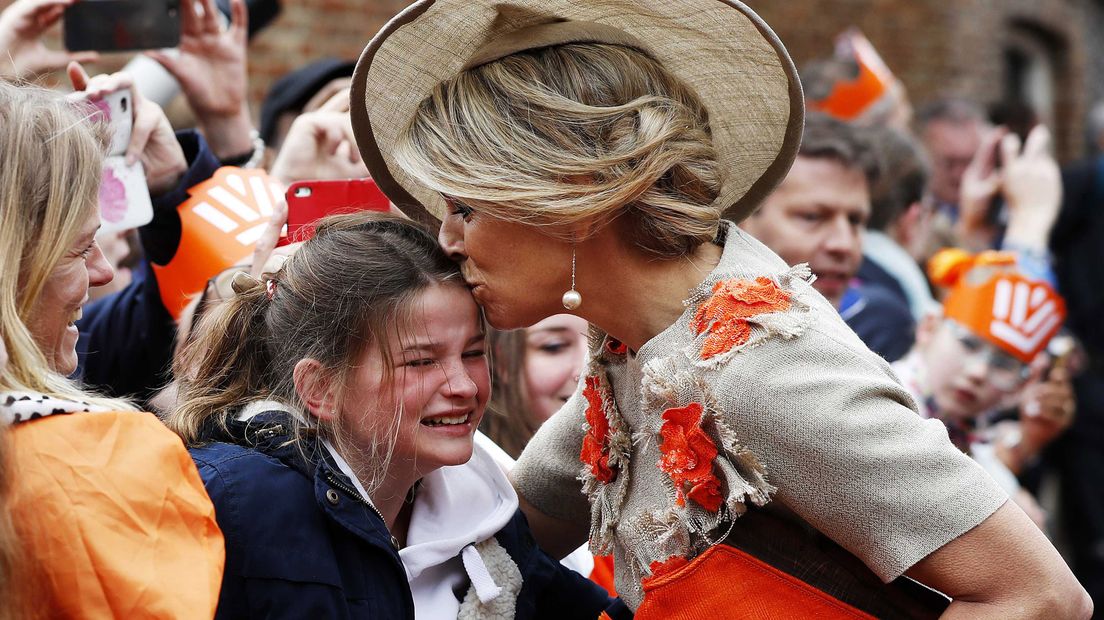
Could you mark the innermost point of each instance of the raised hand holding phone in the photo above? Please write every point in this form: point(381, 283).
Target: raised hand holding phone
point(981, 183)
point(144, 157)
point(152, 140)
point(210, 66)
point(122, 25)
point(22, 26)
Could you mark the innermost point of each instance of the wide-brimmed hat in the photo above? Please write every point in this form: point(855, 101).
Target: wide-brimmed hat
point(720, 48)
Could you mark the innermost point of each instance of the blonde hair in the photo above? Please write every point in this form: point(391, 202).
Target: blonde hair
point(52, 155)
point(346, 289)
point(562, 134)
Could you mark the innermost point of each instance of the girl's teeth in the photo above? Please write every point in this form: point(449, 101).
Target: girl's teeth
point(443, 421)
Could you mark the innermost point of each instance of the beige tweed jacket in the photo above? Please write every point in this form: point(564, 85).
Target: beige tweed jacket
point(819, 463)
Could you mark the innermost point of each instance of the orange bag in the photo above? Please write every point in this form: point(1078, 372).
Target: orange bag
point(603, 573)
point(725, 582)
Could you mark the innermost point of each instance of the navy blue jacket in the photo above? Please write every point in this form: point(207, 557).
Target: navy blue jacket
point(301, 543)
point(880, 318)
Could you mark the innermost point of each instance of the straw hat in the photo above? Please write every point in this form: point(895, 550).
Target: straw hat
point(724, 51)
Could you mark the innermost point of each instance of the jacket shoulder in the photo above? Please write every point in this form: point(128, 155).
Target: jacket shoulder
point(97, 495)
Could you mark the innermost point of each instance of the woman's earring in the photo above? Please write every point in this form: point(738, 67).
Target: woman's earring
point(572, 299)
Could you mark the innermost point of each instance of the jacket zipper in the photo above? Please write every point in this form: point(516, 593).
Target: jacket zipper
point(330, 478)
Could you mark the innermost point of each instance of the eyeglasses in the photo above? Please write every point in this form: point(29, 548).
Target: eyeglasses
point(1004, 371)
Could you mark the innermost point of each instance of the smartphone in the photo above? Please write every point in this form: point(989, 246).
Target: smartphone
point(121, 25)
point(310, 201)
point(124, 194)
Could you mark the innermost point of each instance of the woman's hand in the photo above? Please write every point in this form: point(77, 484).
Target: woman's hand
point(320, 145)
point(22, 25)
point(981, 182)
point(1032, 187)
point(267, 258)
point(211, 69)
point(152, 140)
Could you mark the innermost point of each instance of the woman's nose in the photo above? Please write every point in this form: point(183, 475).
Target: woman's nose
point(451, 237)
point(99, 270)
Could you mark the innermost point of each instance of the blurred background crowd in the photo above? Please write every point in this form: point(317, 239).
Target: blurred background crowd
point(948, 145)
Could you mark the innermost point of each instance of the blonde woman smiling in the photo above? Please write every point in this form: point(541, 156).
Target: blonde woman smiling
point(109, 514)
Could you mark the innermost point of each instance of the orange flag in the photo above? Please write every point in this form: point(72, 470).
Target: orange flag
point(220, 225)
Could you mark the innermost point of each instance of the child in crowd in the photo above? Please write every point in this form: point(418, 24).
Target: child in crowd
point(977, 356)
point(535, 371)
point(331, 410)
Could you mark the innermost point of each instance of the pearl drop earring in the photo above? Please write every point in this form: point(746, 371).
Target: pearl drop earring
point(572, 299)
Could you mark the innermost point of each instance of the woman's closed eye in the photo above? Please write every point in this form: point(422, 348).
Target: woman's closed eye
point(457, 207)
point(421, 362)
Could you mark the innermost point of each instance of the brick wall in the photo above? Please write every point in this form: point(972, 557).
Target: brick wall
point(941, 48)
point(307, 30)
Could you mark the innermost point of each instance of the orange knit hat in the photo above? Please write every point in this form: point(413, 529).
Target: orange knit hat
point(990, 297)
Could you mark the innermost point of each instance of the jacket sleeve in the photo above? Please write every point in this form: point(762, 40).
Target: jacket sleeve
point(550, 590)
point(126, 339)
point(113, 514)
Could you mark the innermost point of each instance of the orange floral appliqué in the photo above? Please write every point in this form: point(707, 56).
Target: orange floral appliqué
point(595, 451)
point(687, 457)
point(666, 567)
point(725, 314)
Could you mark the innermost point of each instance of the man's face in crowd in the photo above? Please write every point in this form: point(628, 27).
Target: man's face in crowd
point(817, 216)
point(951, 146)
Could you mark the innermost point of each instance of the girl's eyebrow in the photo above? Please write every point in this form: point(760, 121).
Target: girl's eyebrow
point(433, 346)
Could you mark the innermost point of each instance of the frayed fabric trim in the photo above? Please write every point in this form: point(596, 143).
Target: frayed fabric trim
point(788, 318)
point(506, 577)
point(606, 498)
point(743, 477)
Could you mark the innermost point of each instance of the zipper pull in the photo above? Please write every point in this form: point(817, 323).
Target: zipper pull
point(395, 542)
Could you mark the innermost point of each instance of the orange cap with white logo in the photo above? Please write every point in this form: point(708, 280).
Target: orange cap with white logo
point(220, 224)
point(990, 297)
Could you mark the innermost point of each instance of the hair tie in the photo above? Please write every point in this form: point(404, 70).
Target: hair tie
point(270, 289)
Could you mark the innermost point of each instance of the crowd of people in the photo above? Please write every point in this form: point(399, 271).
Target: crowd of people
point(652, 324)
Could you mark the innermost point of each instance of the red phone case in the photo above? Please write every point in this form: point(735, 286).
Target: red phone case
point(310, 201)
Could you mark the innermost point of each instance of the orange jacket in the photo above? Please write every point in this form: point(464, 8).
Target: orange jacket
point(113, 519)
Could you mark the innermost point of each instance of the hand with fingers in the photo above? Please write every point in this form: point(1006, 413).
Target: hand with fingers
point(981, 182)
point(267, 258)
point(23, 55)
point(211, 69)
point(320, 146)
point(1032, 187)
point(152, 140)
point(1047, 409)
